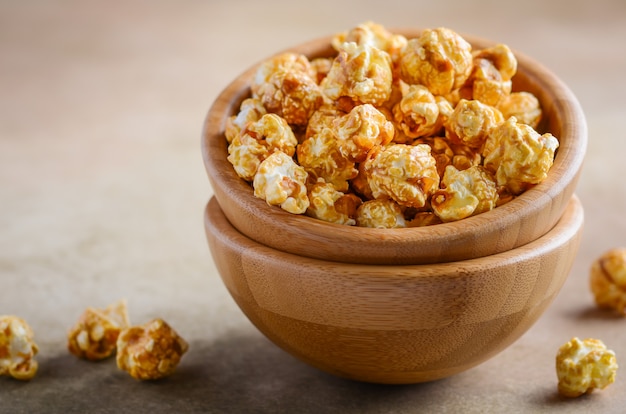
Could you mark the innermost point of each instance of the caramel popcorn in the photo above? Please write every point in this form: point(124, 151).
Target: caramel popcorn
point(426, 127)
point(360, 73)
point(280, 181)
point(439, 59)
point(583, 366)
point(524, 106)
point(17, 348)
point(518, 155)
point(321, 157)
point(405, 173)
point(471, 122)
point(362, 129)
point(370, 33)
point(328, 204)
point(464, 193)
point(418, 113)
point(381, 213)
point(150, 351)
point(257, 141)
point(250, 110)
point(608, 280)
point(95, 334)
point(491, 76)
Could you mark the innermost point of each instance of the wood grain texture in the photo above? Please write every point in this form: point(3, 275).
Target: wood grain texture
point(516, 223)
point(397, 323)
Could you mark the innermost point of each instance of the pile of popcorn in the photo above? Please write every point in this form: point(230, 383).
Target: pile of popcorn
point(390, 132)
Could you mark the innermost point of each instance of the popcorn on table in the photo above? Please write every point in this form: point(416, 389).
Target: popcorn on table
point(17, 348)
point(584, 365)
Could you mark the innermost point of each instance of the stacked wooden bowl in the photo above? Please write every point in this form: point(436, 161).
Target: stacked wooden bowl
point(398, 305)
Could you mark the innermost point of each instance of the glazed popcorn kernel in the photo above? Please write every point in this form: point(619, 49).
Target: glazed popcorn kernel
point(364, 128)
point(328, 204)
point(518, 155)
point(281, 182)
point(284, 62)
point(381, 213)
point(491, 77)
point(439, 59)
point(524, 106)
point(150, 351)
point(17, 348)
point(322, 118)
point(250, 110)
point(405, 173)
point(360, 73)
point(95, 334)
point(471, 122)
point(608, 280)
point(257, 141)
point(321, 157)
point(370, 33)
point(583, 366)
point(418, 112)
point(446, 153)
point(465, 193)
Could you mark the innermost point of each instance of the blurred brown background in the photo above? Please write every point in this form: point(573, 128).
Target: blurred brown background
point(102, 191)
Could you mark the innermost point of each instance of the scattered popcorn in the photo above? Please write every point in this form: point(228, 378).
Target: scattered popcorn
point(582, 366)
point(608, 280)
point(95, 334)
point(281, 182)
point(150, 351)
point(384, 119)
point(17, 348)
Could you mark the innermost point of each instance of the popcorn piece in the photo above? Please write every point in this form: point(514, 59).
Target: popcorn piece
point(370, 33)
point(251, 110)
point(524, 106)
point(582, 366)
point(257, 141)
point(150, 351)
point(445, 153)
point(382, 213)
point(608, 280)
point(17, 348)
point(518, 156)
point(95, 334)
point(465, 193)
point(471, 122)
point(280, 181)
point(321, 66)
point(423, 219)
point(439, 59)
point(405, 173)
point(491, 77)
point(360, 73)
point(328, 204)
point(321, 157)
point(361, 130)
point(322, 118)
point(418, 113)
point(287, 86)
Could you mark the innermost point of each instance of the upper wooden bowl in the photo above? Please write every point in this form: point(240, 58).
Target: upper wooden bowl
point(514, 224)
point(393, 324)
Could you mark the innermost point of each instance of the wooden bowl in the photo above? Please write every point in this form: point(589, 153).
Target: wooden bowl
point(514, 224)
point(393, 324)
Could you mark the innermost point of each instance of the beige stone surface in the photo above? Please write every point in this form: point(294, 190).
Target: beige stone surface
point(102, 191)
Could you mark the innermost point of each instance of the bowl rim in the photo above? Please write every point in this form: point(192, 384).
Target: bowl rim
point(475, 236)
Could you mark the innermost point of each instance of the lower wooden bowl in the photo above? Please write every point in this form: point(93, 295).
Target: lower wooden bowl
point(397, 323)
